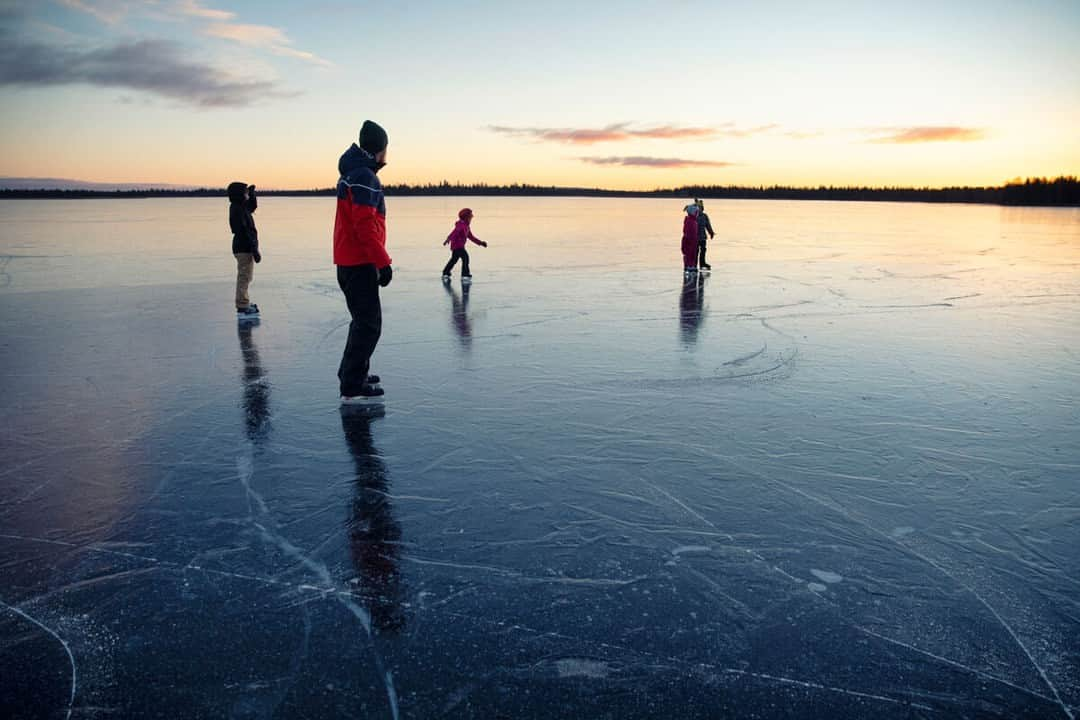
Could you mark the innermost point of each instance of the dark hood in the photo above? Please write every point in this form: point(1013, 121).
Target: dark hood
point(236, 191)
point(355, 158)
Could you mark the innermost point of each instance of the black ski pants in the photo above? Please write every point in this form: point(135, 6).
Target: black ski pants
point(360, 283)
point(456, 255)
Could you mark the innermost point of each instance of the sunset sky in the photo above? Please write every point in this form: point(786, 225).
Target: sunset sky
point(627, 95)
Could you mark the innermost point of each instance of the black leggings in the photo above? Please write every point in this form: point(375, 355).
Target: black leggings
point(701, 253)
point(461, 254)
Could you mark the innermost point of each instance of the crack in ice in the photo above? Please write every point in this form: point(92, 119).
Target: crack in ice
point(1008, 628)
point(245, 470)
point(67, 649)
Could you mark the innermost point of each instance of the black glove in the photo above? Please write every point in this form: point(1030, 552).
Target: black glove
point(257, 256)
point(386, 274)
point(251, 189)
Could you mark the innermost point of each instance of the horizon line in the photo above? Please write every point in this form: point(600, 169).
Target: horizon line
point(92, 186)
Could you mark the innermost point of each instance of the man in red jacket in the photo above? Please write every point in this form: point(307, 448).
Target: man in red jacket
point(362, 262)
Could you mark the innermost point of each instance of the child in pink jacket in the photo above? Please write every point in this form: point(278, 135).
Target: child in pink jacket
point(460, 235)
point(690, 239)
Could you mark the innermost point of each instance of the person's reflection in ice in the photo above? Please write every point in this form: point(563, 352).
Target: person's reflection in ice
point(691, 304)
point(256, 386)
point(374, 534)
point(459, 313)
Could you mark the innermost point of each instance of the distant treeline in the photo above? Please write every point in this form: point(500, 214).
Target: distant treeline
point(1061, 191)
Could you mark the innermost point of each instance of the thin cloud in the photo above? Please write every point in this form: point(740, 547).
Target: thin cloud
point(109, 12)
point(301, 55)
point(153, 66)
point(262, 36)
point(654, 162)
point(671, 132)
point(256, 35)
point(731, 130)
point(925, 134)
point(611, 133)
point(192, 8)
point(803, 134)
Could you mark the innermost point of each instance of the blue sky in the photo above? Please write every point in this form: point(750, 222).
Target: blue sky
point(621, 94)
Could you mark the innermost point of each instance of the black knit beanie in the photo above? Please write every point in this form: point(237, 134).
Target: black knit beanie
point(372, 137)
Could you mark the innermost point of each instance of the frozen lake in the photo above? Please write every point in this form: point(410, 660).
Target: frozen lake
point(839, 477)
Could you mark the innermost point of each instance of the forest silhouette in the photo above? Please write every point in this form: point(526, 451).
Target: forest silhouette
point(1060, 191)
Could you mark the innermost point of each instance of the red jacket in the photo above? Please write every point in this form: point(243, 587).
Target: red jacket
point(360, 223)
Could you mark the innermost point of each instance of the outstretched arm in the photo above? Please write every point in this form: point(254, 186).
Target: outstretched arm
point(476, 240)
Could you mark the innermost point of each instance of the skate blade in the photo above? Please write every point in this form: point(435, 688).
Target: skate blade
point(362, 401)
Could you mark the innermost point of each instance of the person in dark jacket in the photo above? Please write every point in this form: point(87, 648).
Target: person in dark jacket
point(703, 227)
point(363, 265)
point(245, 244)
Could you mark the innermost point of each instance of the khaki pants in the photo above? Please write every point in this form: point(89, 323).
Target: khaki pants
point(245, 270)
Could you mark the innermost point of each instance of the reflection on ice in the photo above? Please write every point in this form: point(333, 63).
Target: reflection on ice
point(459, 312)
point(691, 306)
point(839, 485)
point(256, 387)
point(374, 534)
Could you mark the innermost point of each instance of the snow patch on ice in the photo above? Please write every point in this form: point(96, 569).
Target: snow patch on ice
point(817, 587)
point(826, 577)
point(690, 548)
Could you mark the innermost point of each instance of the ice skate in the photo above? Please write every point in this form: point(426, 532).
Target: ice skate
point(251, 312)
point(368, 395)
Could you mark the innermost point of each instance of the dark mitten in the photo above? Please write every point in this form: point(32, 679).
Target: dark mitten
point(385, 275)
point(257, 256)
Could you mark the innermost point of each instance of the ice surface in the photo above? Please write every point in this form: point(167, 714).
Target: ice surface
point(836, 478)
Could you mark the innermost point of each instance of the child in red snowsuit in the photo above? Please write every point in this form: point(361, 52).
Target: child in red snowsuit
point(690, 239)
